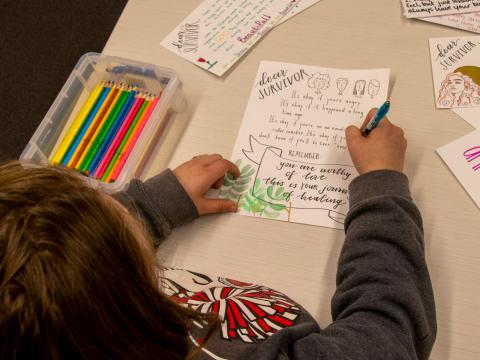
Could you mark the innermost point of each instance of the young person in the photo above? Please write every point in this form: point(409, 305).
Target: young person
point(78, 279)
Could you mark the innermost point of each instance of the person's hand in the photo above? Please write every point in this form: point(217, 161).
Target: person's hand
point(383, 149)
point(200, 174)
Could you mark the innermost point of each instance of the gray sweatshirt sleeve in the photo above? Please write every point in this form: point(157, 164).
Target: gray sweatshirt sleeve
point(161, 202)
point(383, 307)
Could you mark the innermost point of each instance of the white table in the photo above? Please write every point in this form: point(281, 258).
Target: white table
point(298, 259)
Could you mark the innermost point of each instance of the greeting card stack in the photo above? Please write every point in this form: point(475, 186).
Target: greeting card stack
point(219, 32)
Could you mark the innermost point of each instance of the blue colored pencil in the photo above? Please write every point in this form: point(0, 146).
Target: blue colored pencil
point(112, 132)
point(79, 136)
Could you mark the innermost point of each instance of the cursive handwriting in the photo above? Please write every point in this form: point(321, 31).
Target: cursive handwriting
point(471, 155)
point(255, 28)
point(187, 38)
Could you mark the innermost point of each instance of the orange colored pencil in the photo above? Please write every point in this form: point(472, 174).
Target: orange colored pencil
point(122, 158)
point(91, 129)
point(118, 92)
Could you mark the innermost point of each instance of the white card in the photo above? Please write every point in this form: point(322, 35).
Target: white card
point(470, 115)
point(456, 71)
point(302, 5)
point(426, 8)
point(219, 32)
point(463, 158)
point(291, 146)
point(469, 21)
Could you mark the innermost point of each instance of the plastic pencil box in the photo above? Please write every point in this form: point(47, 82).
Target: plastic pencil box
point(91, 70)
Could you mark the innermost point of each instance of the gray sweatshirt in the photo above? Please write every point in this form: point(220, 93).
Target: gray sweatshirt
point(383, 307)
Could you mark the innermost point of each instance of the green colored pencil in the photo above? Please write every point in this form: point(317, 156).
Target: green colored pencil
point(104, 130)
point(125, 139)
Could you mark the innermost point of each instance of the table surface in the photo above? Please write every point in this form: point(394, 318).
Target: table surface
point(301, 260)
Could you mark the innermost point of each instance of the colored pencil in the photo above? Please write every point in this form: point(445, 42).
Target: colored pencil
point(103, 130)
point(84, 126)
point(71, 118)
point(118, 137)
point(137, 120)
point(112, 131)
point(122, 158)
point(62, 149)
point(117, 92)
point(91, 129)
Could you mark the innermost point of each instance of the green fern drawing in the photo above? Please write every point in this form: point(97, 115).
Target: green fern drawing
point(265, 201)
point(254, 199)
point(277, 195)
point(234, 189)
point(258, 200)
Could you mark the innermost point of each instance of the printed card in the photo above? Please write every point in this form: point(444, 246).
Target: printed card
point(219, 32)
point(426, 8)
point(463, 158)
point(456, 71)
point(468, 21)
point(291, 147)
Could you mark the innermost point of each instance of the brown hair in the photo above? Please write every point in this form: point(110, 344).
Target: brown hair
point(75, 281)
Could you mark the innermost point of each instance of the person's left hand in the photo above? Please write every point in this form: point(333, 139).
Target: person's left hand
point(202, 173)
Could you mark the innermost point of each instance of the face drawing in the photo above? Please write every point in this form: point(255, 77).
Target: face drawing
point(359, 88)
point(319, 82)
point(341, 85)
point(458, 90)
point(455, 84)
point(373, 87)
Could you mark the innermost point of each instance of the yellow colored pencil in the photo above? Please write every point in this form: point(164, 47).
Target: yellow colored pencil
point(93, 125)
point(76, 109)
point(77, 123)
point(119, 89)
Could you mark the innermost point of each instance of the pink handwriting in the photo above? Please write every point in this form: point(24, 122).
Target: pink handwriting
point(255, 28)
point(471, 155)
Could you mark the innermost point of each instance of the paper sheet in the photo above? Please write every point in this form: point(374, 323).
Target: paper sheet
point(302, 5)
point(219, 32)
point(463, 158)
point(470, 115)
point(291, 146)
point(469, 21)
point(426, 8)
point(456, 71)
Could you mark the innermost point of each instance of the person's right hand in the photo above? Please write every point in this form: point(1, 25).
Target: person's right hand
point(383, 149)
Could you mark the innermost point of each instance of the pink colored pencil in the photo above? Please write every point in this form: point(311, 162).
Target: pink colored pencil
point(135, 137)
point(119, 136)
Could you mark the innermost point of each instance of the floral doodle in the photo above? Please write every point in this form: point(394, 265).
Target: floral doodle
point(248, 312)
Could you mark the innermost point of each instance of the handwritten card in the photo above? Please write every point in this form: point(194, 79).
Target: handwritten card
point(456, 71)
point(219, 32)
point(426, 8)
point(463, 158)
point(302, 5)
point(291, 147)
point(470, 115)
point(469, 21)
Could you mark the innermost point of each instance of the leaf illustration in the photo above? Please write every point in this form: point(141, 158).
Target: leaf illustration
point(277, 207)
point(234, 188)
point(271, 215)
point(279, 192)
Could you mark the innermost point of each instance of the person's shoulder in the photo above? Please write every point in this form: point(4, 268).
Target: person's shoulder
point(251, 316)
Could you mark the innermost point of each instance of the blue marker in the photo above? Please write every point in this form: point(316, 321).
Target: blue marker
point(379, 115)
